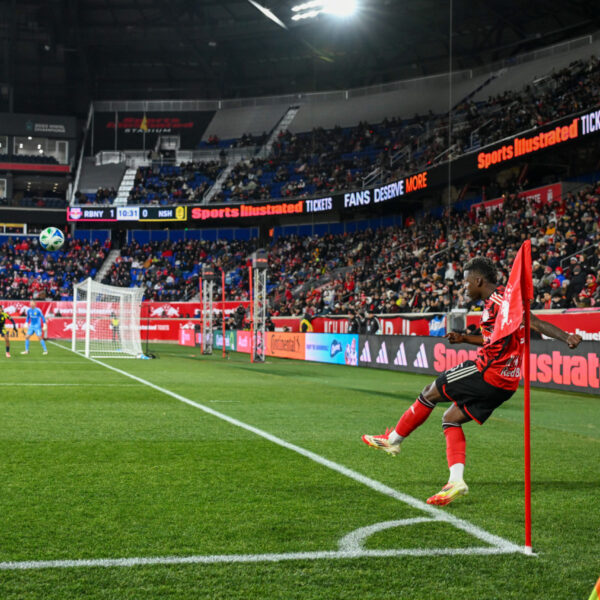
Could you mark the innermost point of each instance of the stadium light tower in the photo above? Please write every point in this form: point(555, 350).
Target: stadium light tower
point(313, 8)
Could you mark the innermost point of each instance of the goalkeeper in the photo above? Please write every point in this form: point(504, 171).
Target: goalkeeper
point(35, 322)
point(115, 327)
point(4, 316)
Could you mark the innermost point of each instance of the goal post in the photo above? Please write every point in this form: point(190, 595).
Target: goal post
point(106, 320)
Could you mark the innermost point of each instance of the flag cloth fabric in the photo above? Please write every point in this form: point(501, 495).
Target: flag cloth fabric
point(144, 124)
point(596, 591)
point(519, 290)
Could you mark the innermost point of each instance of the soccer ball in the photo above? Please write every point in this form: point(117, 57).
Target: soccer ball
point(52, 239)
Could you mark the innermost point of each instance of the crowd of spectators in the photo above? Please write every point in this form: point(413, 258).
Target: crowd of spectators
point(171, 271)
point(27, 271)
point(417, 268)
point(166, 184)
point(101, 196)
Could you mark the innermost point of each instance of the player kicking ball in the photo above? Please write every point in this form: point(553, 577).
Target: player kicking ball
point(35, 323)
point(475, 388)
point(4, 316)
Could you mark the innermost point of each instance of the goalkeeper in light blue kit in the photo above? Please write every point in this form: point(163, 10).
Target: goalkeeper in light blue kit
point(35, 324)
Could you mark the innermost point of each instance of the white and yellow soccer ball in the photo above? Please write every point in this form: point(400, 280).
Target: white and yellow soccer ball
point(52, 239)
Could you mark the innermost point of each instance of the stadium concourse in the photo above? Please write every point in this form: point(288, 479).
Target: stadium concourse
point(326, 161)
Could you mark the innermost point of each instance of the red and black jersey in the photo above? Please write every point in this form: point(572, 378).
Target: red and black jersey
point(500, 362)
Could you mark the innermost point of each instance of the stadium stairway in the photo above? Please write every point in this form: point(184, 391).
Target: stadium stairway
point(264, 152)
point(125, 187)
point(109, 261)
point(218, 184)
point(283, 124)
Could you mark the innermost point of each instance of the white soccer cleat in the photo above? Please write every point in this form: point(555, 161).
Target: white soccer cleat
point(450, 492)
point(381, 442)
point(25, 352)
point(45, 352)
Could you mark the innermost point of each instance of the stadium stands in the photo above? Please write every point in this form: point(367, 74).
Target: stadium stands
point(167, 184)
point(392, 270)
point(101, 196)
point(27, 271)
point(322, 161)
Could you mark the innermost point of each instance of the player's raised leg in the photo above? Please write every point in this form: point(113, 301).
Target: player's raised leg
point(415, 416)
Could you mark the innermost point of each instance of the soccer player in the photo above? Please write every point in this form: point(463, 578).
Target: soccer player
point(115, 327)
point(35, 323)
point(4, 316)
point(475, 388)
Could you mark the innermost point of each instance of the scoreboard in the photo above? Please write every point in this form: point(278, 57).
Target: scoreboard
point(80, 214)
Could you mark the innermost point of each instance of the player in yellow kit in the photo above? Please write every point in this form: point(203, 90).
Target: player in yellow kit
point(4, 316)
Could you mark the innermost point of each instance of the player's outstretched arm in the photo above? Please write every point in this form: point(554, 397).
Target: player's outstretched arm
point(460, 338)
point(571, 339)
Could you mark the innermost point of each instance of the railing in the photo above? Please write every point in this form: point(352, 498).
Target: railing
point(74, 188)
point(581, 251)
point(110, 157)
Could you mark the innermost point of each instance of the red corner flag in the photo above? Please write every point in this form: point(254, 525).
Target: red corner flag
point(513, 311)
point(518, 292)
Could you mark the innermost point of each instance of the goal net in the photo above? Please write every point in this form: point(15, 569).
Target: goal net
point(106, 320)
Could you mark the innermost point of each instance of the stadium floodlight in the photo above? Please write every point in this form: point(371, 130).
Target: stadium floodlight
point(313, 8)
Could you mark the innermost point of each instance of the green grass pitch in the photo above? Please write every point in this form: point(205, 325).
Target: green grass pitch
point(96, 465)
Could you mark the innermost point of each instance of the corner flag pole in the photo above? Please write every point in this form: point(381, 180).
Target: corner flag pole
point(514, 314)
point(251, 316)
point(527, 425)
point(223, 310)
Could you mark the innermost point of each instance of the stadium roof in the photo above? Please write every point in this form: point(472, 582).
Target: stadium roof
point(60, 54)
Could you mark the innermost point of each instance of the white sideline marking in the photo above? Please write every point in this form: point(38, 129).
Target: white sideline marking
point(45, 360)
point(5, 383)
point(245, 558)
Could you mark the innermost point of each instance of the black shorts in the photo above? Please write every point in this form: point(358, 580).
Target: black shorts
point(464, 385)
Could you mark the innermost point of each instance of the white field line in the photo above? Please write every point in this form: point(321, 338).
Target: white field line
point(247, 558)
point(351, 545)
point(45, 360)
point(437, 513)
point(6, 383)
point(354, 541)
